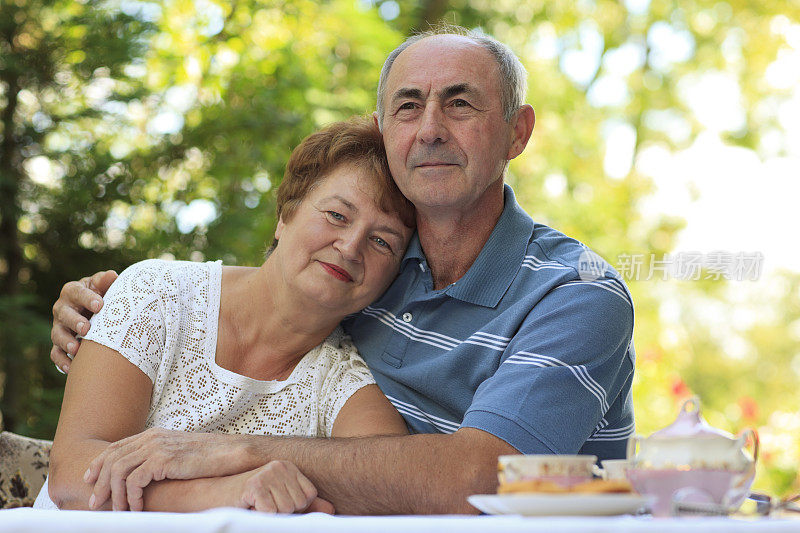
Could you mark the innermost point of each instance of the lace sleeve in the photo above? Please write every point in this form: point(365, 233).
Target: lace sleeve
point(131, 321)
point(348, 374)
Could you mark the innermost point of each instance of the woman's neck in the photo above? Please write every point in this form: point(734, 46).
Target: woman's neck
point(263, 330)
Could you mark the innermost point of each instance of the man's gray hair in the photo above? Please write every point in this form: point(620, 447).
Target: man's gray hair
point(513, 76)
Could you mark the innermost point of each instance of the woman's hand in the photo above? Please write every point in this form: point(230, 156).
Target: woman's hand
point(276, 487)
point(123, 470)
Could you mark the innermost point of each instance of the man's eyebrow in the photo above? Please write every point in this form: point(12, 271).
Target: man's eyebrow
point(407, 92)
point(454, 90)
point(444, 94)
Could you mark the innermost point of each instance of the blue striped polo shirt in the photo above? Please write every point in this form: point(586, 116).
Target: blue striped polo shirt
point(533, 344)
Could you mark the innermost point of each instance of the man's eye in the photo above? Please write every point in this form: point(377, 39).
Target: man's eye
point(407, 106)
point(460, 103)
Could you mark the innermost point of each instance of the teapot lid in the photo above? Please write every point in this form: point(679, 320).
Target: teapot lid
point(690, 424)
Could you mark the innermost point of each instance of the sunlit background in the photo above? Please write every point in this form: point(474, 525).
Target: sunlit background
point(666, 131)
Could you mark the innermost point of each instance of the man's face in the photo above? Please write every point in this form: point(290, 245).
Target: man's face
point(445, 135)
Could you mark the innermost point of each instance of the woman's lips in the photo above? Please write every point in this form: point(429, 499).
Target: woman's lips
point(337, 272)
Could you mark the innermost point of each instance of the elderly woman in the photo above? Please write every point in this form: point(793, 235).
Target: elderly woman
point(202, 347)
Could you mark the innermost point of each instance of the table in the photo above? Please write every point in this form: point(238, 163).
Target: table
point(241, 521)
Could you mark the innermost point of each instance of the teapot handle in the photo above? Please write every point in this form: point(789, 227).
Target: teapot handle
point(749, 432)
point(694, 402)
point(632, 442)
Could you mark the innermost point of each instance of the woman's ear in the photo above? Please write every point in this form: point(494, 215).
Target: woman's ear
point(279, 228)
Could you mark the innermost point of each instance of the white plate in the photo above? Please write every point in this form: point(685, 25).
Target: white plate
point(539, 504)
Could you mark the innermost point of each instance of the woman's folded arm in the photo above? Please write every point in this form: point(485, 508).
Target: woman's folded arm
point(106, 399)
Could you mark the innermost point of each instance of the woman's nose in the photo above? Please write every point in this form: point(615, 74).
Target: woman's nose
point(349, 245)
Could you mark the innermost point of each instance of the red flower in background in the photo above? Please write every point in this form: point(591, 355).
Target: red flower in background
point(679, 388)
point(749, 408)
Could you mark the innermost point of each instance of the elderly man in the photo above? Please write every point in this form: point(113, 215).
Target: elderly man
point(492, 340)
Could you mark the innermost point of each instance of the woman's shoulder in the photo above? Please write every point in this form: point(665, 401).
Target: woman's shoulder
point(339, 347)
point(169, 266)
point(346, 373)
point(167, 284)
point(337, 357)
point(332, 356)
point(165, 274)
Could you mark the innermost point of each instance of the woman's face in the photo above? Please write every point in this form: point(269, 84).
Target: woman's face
point(338, 248)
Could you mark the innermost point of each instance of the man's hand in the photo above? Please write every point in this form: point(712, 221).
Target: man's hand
point(77, 302)
point(276, 487)
point(127, 466)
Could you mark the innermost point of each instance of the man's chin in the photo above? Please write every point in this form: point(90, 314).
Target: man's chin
point(437, 199)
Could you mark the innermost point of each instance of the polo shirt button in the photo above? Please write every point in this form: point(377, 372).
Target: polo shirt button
point(407, 317)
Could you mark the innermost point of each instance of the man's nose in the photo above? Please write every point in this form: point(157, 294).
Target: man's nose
point(432, 128)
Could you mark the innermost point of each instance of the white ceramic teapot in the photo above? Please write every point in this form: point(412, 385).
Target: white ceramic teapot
point(692, 461)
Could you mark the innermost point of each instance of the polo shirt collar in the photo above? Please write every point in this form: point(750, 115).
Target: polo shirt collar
point(414, 251)
point(492, 273)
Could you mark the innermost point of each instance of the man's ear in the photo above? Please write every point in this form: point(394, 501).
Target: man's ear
point(375, 119)
point(279, 228)
point(521, 131)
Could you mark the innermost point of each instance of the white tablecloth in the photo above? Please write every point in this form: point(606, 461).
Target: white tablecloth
point(239, 521)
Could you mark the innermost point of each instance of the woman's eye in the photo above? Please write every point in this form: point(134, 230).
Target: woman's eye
point(383, 244)
point(336, 216)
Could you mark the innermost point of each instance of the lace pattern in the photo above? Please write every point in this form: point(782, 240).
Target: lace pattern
point(162, 316)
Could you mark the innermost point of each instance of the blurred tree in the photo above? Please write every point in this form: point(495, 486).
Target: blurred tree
point(52, 53)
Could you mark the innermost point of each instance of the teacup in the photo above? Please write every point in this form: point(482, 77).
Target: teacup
point(563, 470)
point(614, 468)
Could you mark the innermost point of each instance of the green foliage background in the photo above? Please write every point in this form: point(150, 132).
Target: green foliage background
point(141, 109)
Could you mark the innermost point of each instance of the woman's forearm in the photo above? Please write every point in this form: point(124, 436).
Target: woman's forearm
point(68, 462)
point(187, 495)
point(68, 490)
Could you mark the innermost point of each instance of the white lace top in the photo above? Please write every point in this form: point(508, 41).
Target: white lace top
point(162, 316)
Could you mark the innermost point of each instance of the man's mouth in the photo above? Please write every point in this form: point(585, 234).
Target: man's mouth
point(336, 271)
point(436, 164)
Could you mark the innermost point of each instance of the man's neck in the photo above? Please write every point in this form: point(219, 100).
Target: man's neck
point(452, 240)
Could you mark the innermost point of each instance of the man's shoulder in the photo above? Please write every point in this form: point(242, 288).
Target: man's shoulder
point(550, 245)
